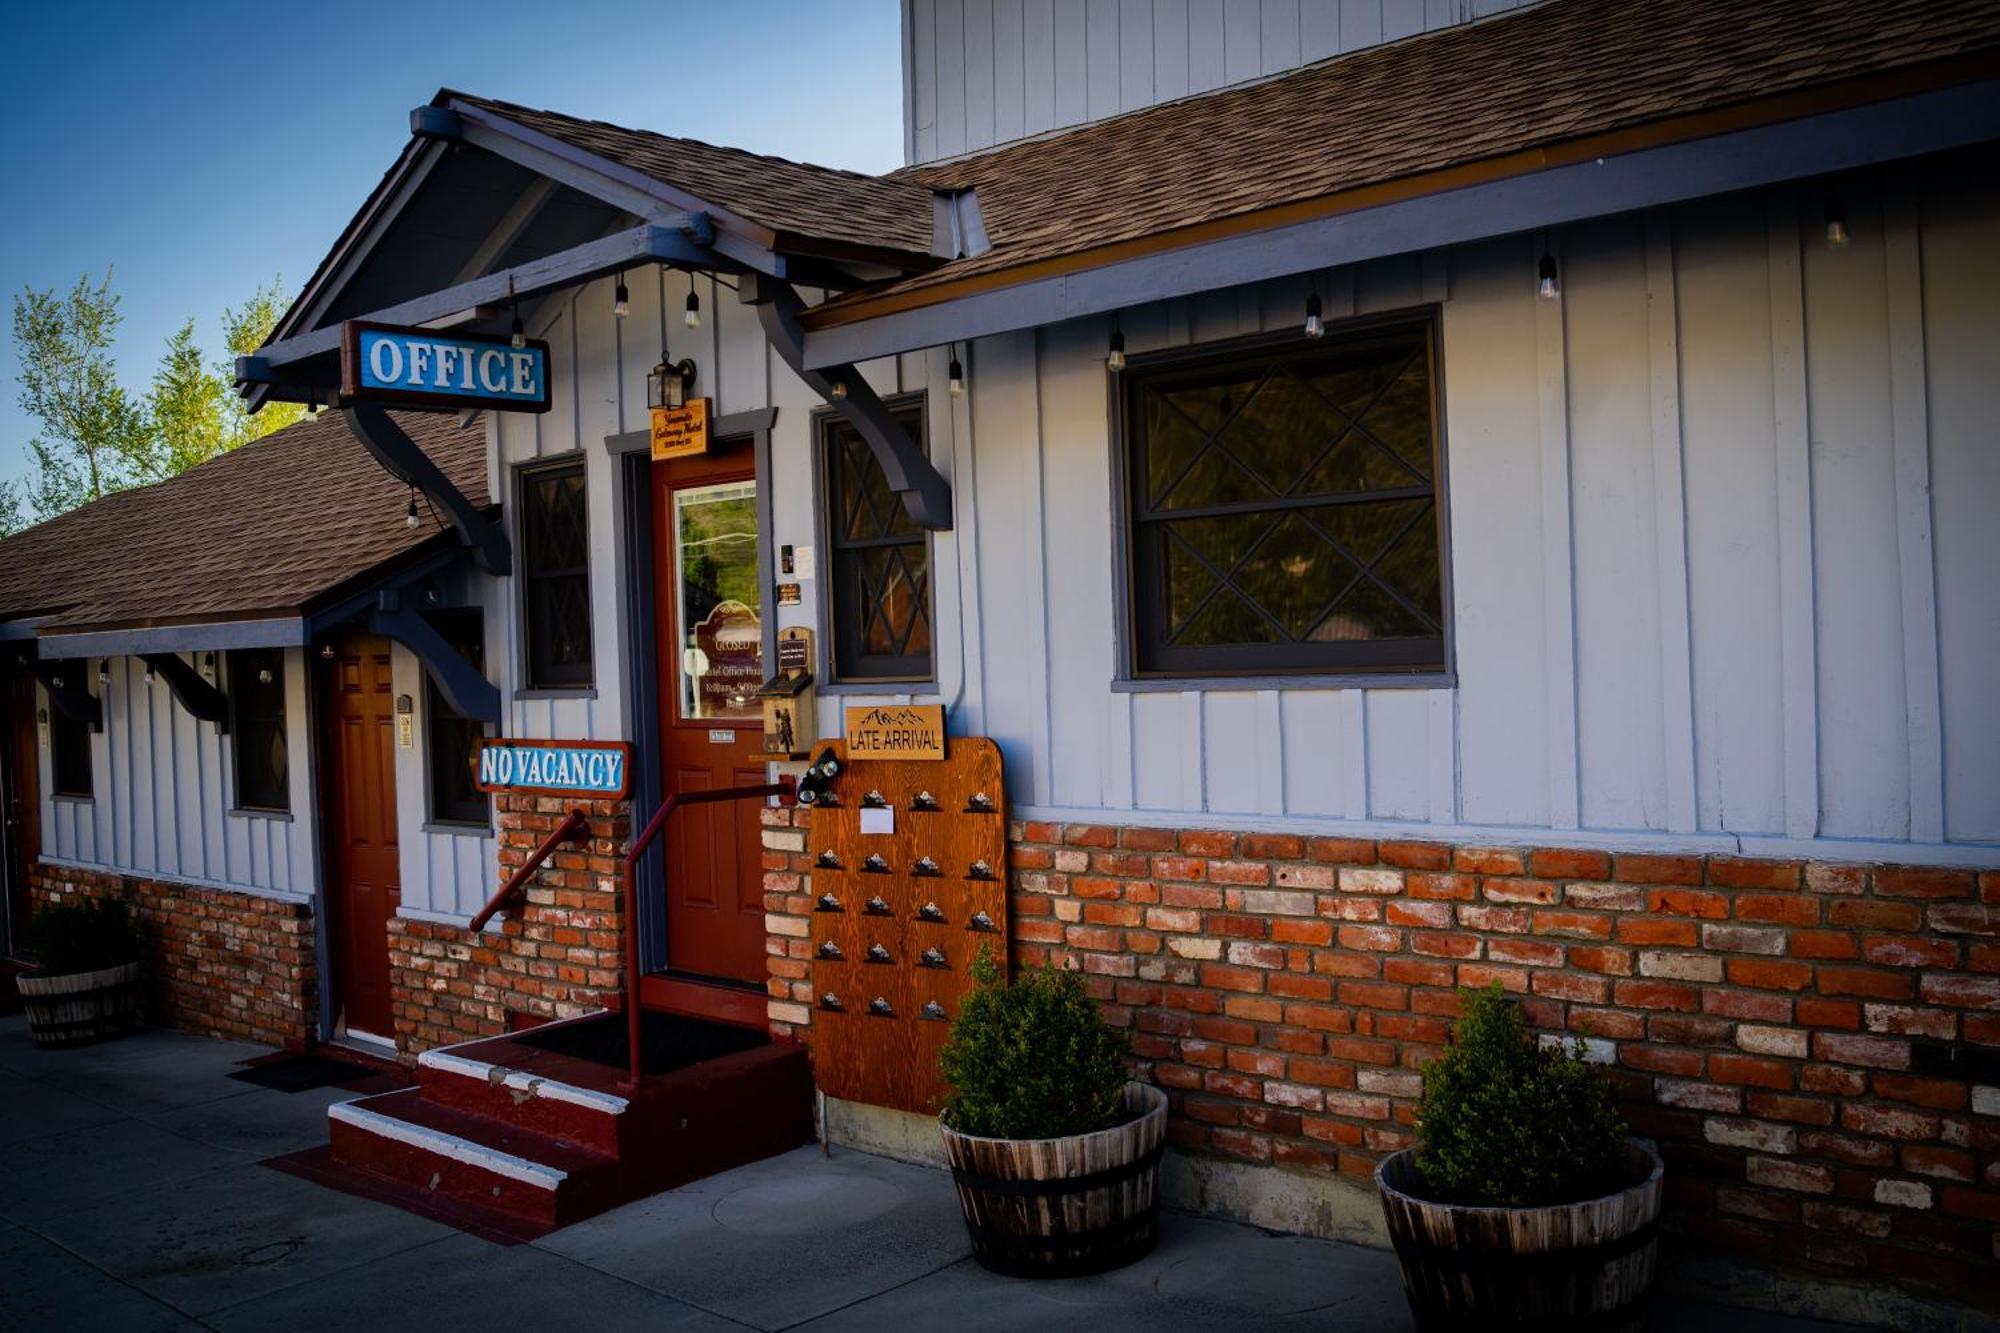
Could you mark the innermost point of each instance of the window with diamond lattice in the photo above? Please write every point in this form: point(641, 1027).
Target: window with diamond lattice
point(555, 576)
point(257, 729)
point(1284, 508)
point(879, 584)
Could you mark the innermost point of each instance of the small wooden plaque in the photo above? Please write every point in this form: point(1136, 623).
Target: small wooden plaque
point(896, 731)
point(680, 431)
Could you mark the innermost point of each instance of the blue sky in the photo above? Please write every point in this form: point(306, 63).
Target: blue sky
point(202, 149)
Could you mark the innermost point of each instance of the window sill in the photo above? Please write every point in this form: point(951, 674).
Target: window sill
point(1430, 680)
point(910, 687)
point(252, 812)
point(458, 830)
point(71, 798)
point(557, 692)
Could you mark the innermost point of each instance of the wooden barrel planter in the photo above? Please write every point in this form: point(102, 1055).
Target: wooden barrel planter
point(1069, 1206)
point(81, 1007)
point(1586, 1265)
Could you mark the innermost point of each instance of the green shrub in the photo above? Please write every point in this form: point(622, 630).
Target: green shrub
point(1034, 1060)
point(81, 936)
point(1508, 1122)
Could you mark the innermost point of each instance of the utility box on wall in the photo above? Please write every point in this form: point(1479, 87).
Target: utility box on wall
point(790, 718)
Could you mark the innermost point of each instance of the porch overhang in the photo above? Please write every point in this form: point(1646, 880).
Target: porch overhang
point(1658, 164)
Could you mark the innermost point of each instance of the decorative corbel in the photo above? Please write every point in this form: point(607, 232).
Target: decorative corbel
point(388, 445)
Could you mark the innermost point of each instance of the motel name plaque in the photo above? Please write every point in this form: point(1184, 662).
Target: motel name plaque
point(411, 367)
point(897, 731)
point(679, 432)
point(594, 769)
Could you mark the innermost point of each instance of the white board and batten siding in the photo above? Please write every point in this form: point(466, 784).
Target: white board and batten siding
point(164, 801)
point(1722, 558)
point(982, 72)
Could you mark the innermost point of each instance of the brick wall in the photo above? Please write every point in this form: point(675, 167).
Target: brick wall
point(559, 955)
point(1815, 1047)
point(220, 963)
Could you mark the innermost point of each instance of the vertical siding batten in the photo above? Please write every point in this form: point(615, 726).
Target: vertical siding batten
point(1670, 533)
point(1558, 575)
point(1910, 418)
point(1791, 432)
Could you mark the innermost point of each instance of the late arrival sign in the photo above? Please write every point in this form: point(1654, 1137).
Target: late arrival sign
point(406, 367)
point(555, 768)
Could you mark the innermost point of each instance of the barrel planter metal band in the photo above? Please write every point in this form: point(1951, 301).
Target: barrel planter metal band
point(1069, 1206)
point(80, 1007)
point(1579, 1266)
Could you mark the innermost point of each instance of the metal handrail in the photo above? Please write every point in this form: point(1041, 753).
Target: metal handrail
point(574, 828)
point(654, 827)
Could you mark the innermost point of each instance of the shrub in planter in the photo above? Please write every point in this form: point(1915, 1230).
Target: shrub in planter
point(1054, 1150)
point(1525, 1203)
point(85, 984)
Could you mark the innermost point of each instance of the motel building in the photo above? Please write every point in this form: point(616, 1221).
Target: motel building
point(1416, 495)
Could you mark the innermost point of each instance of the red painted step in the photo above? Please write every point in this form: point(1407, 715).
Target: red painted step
point(473, 1159)
point(541, 1125)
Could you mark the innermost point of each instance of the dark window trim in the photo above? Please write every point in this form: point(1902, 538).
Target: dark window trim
point(57, 722)
point(452, 624)
point(1441, 672)
point(239, 804)
point(836, 676)
point(569, 460)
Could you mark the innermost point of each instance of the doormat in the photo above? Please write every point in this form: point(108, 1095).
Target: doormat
point(298, 1071)
point(317, 1165)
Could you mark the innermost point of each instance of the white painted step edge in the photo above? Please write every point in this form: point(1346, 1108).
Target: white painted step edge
point(447, 1145)
point(442, 1060)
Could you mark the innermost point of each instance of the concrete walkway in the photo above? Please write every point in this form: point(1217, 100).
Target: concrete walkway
point(131, 1199)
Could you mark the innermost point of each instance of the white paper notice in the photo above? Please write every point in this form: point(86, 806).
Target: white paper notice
point(878, 819)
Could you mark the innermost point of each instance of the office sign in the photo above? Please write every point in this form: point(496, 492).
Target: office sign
point(899, 731)
point(405, 367)
point(596, 769)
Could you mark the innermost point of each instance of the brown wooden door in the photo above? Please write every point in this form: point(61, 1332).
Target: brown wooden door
point(22, 799)
point(365, 878)
point(711, 663)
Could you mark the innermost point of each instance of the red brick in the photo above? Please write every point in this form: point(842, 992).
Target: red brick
point(1823, 944)
point(1647, 869)
point(1732, 872)
point(1199, 842)
point(1512, 920)
point(1939, 1094)
point(1768, 974)
point(1901, 951)
point(1378, 939)
point(1613, 962)
point(1221, 976)
point(1687, 902)
point(1657, 995)
point(1817, 1013)
point(1489, 861)
point(1415, 855)
point(1861, 981)
point(1573, 925)
point(1562, 863)
point(1759, 1072)
point(1372, 995)
point(1784, 909)
point(1923, 882)
point(1635, 930)
point(1148, 839)
point(1852, 1049)
point(1963, 992)
point(1441, 888)
point(1875, 915)
point(1661, 1059)
point(1535, 953)
point(1341, 851)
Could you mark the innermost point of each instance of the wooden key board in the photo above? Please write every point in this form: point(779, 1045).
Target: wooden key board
point(899, 917)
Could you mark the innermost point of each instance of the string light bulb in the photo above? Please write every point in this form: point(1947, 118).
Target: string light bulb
point(520, 335)
point(1314, 327)
point(693, 316)
point(410, 519)
point(840, 388)
point(621, 300)
point(1548, 288)
point(1836, 225)
point(1114, 360)
point(955, 377)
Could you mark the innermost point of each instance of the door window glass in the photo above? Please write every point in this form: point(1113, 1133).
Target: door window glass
point(718, 603)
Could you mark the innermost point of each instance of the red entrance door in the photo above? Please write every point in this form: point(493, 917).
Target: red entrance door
point(711, 663)
point(364, 884)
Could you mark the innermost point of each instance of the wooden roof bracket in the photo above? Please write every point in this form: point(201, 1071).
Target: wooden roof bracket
point(907, 468)
point(398, 453)
point(67, 691)
point(193, 690)
point(464, 686)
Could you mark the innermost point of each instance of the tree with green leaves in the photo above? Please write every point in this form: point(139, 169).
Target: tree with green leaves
point(94, 436)
point(185, 410)
point(244, 329)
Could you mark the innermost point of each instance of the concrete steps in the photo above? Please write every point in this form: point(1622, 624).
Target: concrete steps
point(539, 1127)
